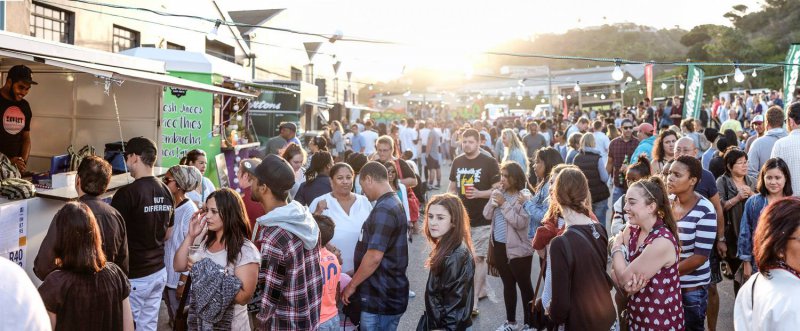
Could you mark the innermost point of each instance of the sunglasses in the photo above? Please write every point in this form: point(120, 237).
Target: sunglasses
point(627, 128)
point(167, 180)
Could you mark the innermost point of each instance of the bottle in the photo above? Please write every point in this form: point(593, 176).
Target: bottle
point(621, 174)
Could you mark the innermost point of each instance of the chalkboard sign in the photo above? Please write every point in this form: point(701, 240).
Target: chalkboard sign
point(222, 170)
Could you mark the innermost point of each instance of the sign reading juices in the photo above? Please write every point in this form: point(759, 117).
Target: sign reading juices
point(187, 124)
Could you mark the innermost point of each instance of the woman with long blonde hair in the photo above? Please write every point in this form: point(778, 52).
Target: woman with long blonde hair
point(514, 149)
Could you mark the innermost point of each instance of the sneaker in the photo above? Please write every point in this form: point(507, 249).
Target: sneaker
point(411, 294)
point(475, 312)
point(526, 327)
point(506, 327)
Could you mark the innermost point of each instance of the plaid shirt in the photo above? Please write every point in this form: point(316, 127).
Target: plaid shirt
point(617, 150)
point(292, 282)
point(385, 292)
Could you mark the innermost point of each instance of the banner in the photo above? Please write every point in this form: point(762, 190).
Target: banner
point(14, 231)
point(693, 99)
point(648, 77)
point(790, 74)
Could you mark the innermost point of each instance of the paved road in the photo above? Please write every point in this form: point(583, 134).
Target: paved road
point(492, 310)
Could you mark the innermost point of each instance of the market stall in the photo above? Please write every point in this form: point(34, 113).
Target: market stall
point(84, 97)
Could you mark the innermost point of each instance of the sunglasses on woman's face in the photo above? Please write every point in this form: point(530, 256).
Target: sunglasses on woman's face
point(167, 180)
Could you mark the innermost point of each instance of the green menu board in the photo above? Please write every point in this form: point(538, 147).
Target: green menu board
point(187, 123)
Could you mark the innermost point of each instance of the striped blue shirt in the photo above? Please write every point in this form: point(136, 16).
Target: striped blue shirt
point(696, 232)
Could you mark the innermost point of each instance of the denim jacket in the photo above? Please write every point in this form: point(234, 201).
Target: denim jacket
point(537, 208)
point(752, 209)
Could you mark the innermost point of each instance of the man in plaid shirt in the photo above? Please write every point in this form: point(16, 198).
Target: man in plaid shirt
point(381, 255)
point(289, 275)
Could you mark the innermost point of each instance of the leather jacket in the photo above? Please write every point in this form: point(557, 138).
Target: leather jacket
point(449, 294)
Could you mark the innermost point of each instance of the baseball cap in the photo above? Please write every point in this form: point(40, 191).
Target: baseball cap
point(276, 171)
point(139, 145)
point(758, 119)
point(288, 125)
point(21, 73)
point(249, 165)
point(646, 128)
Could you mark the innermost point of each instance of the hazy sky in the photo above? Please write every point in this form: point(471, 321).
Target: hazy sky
point(450, 35)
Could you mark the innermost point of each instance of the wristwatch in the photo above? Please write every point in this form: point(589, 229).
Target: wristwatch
point(721, 239)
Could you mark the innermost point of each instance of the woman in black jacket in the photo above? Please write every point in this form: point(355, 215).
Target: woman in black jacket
point(449, 292)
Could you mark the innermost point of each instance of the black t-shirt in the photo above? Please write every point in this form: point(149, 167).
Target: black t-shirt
point(16, 117)
point(86, 301)
point(482, 172)
point(146, 207)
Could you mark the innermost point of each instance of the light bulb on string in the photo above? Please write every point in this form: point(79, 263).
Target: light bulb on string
point(725, 80)
point(212, 35)
point(617, 74)
point(602, 97)
point(577, 87)
point(543, 101)
point(663, 86)
point(519, 98)
point(638, 82)
point(517, 104)
point(369, 87)
point(629, 79)
point(682, 86)
point(641, 92)
point(569, 97)
point(235, 107)
point(719, 81)
point(755, 74)
point(738, 75)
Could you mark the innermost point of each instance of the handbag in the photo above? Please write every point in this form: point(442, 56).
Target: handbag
point(413, 202)
point(182, 314)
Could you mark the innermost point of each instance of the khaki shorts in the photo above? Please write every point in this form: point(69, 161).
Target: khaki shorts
point(480, 239)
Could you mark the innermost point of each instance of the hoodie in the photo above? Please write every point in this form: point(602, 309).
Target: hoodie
point(645, 147)
point(761, 149)
point(296, 219)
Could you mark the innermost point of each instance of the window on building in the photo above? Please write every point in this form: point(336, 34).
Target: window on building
point(175, 46)
point(221, 50)
point(297, 74)
point(124, 39)
point(51, 23)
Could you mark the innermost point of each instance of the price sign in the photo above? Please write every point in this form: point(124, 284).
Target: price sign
point(14, 231)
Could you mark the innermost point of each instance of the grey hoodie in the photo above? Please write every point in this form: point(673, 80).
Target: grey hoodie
point(296, 219)
point(761, 149)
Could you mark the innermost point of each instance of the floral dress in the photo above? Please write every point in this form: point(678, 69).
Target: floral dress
point(658, 306)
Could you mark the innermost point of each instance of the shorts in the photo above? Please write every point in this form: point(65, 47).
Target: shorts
point(432, 162)
point(480, 239)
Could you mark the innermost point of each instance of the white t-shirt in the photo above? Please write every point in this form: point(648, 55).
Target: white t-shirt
point(183, 214)
point(249, 254)
point(423, 136)
point(369, 139)
point(407, 137)
point(23, 307)
point(602, 143)
point(348, 225)
point(207, 186)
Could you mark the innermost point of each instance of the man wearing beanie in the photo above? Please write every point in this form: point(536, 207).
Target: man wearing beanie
point(179, 179)
point(146, 206)
point(290, 252)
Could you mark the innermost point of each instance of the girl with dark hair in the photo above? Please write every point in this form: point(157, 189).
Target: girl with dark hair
point(663, 151)
point(511, 247)
point(697, 224)
point(225, 243)
point(544, 160)
point(717, 164)
point(317, 180)
point(449, 291)
point(357, 161)
point(637, 171)
point(774, 183)
point(86, 292)
point(399, 187)
point(769, 300)
point(315, 145)
point(644, 258)
point(581, 296)
point(734, 187)
point(296, 156)
point(197, 159)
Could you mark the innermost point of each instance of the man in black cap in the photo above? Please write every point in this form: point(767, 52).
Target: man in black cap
point(146, 205)
point(16, 116)
point(287, 134)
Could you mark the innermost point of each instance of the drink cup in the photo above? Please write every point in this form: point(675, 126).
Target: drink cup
point(468, 187)
point(194, 253)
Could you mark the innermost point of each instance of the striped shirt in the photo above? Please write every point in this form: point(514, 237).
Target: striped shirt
point(696, 232)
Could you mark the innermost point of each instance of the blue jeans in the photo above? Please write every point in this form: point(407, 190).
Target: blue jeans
point(370, 322)
point(600, 210)
point(694, 308)
point(616, 193)
point(330, 325)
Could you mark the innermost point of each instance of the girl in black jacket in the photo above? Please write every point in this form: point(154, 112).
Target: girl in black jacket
point(449, 292)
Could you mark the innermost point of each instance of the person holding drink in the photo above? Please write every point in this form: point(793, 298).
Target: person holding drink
point(225, 242)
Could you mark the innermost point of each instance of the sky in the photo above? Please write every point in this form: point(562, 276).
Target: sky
point(450, 35)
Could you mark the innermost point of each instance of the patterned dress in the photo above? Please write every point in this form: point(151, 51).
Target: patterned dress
point(658, 306)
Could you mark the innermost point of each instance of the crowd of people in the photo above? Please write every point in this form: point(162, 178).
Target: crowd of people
point(634, 217)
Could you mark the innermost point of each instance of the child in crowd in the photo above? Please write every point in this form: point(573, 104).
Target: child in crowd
point(331, 273)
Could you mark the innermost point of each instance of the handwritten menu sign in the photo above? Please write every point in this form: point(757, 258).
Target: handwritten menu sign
point(14, 231)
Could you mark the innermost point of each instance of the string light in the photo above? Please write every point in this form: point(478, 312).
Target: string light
point(617, 74)
point(738, 76)
point(663, 86)
point(569, 97)
point(682, 86)
point(212, 35)
point(755, 73)
point(577, 87)
point(719, 81)
point(640, 91)
point(725, 80)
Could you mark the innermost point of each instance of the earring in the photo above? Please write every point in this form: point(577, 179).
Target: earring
point(661, 214)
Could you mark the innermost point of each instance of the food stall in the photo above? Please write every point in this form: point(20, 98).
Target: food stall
point(84, 97)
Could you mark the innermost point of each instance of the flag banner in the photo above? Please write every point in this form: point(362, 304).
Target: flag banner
point(791, 73)
point(693, 99)
point(648, 77)
point(311, 49)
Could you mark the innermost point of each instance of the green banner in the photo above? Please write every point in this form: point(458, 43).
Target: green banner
point(693, 99)
point(791, 73)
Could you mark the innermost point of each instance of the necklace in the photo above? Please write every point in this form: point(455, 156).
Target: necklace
point(784, 266)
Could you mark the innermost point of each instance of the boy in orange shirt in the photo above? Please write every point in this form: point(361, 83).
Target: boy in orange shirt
point(331, 272)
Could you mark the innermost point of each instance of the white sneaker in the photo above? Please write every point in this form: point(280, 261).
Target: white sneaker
point(507, 327)
point(525, 327)
point(411, 294)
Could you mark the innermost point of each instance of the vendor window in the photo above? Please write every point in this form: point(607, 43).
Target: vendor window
point(51, 23)
point(124, 39)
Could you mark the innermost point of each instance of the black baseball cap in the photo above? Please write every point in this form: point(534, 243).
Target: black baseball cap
point(21, 73)
point(250, 165)
point(288, 125)
point(276, 171)
point(139, 145)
